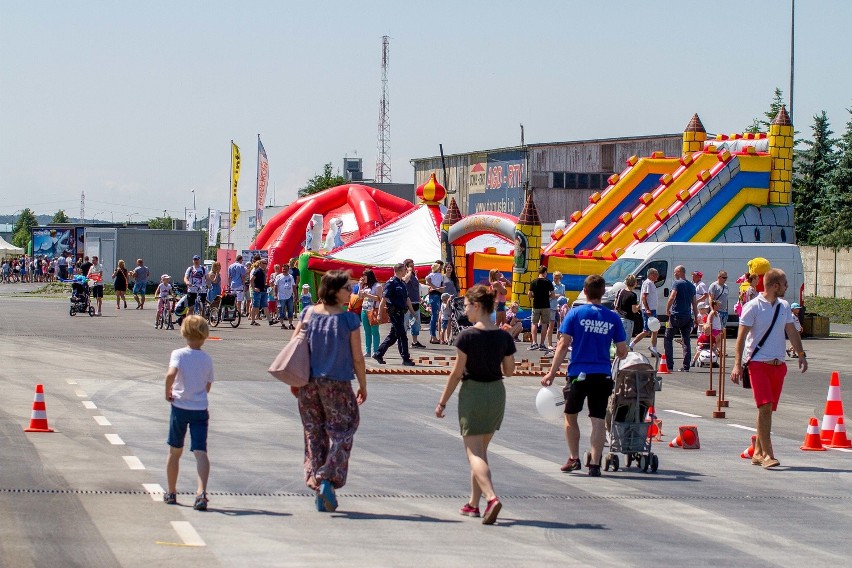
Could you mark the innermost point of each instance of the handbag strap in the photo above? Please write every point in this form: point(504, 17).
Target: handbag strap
point(765, 335)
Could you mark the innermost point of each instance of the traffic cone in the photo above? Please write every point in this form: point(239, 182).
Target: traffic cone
point(38, 420)
point(748, 453)
point(839, 440)
point(812, 442)
point(664, 366)
point(689, 436)
point(676, 443)
point(833, 409)
point(655, 430)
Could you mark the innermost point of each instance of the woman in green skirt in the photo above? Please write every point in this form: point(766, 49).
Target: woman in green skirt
point(485, 356)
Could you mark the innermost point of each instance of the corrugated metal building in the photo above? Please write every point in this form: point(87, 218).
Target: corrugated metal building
point(164, 252)
point(562, 174)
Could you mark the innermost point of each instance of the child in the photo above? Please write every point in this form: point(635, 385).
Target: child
point(164, 288)
point(796, 308)
point(188, 381)
point(513, 325)
point(562, 308)
point(446, 310)
point(305, 298)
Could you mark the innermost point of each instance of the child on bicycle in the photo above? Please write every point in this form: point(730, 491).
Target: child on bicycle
point(164, 288)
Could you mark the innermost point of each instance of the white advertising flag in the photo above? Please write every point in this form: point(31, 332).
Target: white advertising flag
point(213, 227)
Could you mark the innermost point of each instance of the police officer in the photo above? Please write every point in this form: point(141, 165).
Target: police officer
point(398, 304)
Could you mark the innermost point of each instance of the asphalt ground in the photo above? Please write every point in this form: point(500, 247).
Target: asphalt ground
point(89, 494)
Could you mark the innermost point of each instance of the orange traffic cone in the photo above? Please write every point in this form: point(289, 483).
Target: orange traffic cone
point(655, 430)
point(664, 366)
point(676, 443)
point(812, 442)
point(689, 436)
point(748, 453)
point(833, 409)
point(38, 420)
point(839, 440)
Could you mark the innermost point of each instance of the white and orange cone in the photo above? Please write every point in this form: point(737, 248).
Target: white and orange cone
point(833, 409)
point(812, 442)
point(38, 420)
point(839, 440)
point(676, 443)
point(748, 453)
point(664, 366)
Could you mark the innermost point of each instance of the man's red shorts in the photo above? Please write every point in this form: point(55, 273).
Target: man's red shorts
point(767, 380)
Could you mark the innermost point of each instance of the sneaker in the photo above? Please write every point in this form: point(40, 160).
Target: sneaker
point(291, 326)
point(418, 345)
point(683, 370)
point(326, 493)
point(367, 354)
point(469, 511)
point(170, 498)
point(491, 511)
point(534, 347)
point(573, 464)
point(594, 471)
point(378, 359)
point(654, 351)
point(408, 362)
point(201, 502)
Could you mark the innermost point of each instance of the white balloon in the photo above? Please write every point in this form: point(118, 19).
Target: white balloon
point(550, 402)
point(653, 324)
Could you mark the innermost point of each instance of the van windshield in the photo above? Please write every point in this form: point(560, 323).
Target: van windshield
point(619, 270)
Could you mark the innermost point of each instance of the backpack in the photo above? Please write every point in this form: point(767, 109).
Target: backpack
point(619, 308)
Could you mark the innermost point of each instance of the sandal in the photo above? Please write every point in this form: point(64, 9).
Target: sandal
point(170, 498)
point(201, 502)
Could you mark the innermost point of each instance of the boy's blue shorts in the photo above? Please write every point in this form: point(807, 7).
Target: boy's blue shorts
point(196, 420)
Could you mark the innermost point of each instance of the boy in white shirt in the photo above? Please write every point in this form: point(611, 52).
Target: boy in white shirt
point(188, 381)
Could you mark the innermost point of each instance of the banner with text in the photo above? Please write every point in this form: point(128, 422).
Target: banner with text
point(213, 227)
point(262, 181)
point(235, 178)
point(496, 183)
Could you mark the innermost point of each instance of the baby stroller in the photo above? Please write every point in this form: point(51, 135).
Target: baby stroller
point(80, 303)
point(458, 319)
point(636, 383)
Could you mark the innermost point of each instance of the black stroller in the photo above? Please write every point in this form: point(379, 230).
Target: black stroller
point(80, 299)
point(458, 319)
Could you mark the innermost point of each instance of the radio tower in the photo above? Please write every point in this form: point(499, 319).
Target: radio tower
point(383, 161)
point(82, 206)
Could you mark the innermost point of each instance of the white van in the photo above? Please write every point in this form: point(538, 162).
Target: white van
point(708, 258)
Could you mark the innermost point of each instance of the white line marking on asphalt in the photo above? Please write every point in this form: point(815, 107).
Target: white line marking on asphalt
point(114, 439)
point(683, 413)
point(187, 533)
point(133, 462)
point(71, 381)
point(89, 404)
point(841, 449)
point(749, 428)
point(80, 393)
point(102, 421)
point(155, 490)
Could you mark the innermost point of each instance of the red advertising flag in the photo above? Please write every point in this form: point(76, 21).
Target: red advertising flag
point(262, 181)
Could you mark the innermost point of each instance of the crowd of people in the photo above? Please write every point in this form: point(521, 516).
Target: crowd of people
point(38, 268)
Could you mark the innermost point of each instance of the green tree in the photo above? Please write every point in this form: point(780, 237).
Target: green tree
point(163, 223)
point(834, 224)
point(322, 181)
point(762, 125)
point(22, 229)
point(810, 184)
point(60, 217)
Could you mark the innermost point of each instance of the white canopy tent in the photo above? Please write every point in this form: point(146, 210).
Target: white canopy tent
point(8, 248)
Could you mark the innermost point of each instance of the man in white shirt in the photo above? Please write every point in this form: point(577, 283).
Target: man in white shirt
point(648, 303)
point(766, 366)
point(284, 286)
point(96, 274)
point(700, 287)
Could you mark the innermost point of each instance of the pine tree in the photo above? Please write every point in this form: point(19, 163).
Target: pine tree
point(22, 229)
point(835, 224)
point(810, 184)
point(762, 125)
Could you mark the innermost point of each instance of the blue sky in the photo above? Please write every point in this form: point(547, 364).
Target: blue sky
point(136, 102)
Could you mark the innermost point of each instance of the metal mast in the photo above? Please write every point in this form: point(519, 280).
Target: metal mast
point(82, 206)
point(383, 160)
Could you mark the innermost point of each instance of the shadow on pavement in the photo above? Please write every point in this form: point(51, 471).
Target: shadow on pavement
point(389, 517)
point(231, 512)
point(548, 524)
point(812, 469)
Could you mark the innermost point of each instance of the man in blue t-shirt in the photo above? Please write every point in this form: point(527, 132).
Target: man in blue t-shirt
point(591, 328)
point(680, 309)
point(395, 298)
